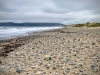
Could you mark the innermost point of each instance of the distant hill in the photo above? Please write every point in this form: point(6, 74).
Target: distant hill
point(29, 24)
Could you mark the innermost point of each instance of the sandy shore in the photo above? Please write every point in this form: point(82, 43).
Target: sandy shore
point(67, 51)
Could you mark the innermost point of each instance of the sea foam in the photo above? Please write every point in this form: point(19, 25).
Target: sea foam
point(12, 32)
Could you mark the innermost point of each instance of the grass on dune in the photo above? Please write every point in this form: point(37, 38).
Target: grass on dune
point(95, 24)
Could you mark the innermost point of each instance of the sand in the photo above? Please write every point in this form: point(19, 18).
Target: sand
point(67, 51)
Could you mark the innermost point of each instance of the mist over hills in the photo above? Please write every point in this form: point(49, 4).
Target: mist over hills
point(30, 24)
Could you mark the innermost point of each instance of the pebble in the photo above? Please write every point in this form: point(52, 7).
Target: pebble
point(66, 72)
point(48, 66)
point(57, 56)
point(55, 67)
point(17, 54)
point(39, 73)
point(69, 68)
point(81, 70)
point(57, 74)
point(19, 70)
point(72, 63)
point(33, 67)
point(84, 74)
point(93, 66)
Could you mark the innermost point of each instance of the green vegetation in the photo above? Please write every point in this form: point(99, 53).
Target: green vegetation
point(78, 25)
point(94, 25)
point(88, 24)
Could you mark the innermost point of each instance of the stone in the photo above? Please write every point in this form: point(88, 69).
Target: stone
point(19, 70)
point(58, 66)
point(48, 66)
point(39, 73)
point(72, 63)
point(54, 67)
point(93, 43)
point(76, 66)
point(57, 74)
point(47, 58)
point(17, 54)
point(93, 66)
point(98, 56)
point(21, 56)
point(80, 70)
point(65, 72)
point(69, 68)
point(84, 74)
point(33, 67)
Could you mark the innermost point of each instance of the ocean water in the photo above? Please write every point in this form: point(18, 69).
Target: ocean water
point(13, 32)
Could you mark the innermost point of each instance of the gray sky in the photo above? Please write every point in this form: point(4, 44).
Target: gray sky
point(62, 11)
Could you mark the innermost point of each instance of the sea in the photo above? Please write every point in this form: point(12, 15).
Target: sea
point(9, 32)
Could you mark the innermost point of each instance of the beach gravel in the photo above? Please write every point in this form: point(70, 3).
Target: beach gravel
point(66, 51)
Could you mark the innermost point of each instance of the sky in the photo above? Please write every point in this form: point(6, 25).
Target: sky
point(55, 11)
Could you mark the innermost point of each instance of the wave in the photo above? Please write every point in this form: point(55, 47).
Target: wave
point(12, 32)
point(1, 27)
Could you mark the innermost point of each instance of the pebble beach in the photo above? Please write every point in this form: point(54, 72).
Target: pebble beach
point(65, 51)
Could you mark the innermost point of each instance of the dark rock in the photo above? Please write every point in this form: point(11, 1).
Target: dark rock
point(0, 62)
point(48, 58)
point(93, 66)
point(93, 43)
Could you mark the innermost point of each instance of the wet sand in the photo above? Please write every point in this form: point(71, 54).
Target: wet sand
point(67, 51)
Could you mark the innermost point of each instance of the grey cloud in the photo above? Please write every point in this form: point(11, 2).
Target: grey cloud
point(5, 8)
point(64, 11)
point(34, 17)
point(65, 6)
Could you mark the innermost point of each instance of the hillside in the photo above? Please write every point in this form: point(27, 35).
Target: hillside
point(29, 24)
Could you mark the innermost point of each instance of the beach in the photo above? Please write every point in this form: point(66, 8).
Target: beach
point(65, 51)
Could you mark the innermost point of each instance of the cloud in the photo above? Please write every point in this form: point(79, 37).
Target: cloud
point(5, 8)
point(63, 11)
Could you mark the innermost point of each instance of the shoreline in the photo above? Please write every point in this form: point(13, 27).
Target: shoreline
point(14, 42)
point(33, 31)
point(65, 51)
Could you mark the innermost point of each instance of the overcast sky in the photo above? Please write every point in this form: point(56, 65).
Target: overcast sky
point(62, 11)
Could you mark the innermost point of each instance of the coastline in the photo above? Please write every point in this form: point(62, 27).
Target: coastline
point(65, 51)
point(12, 43)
